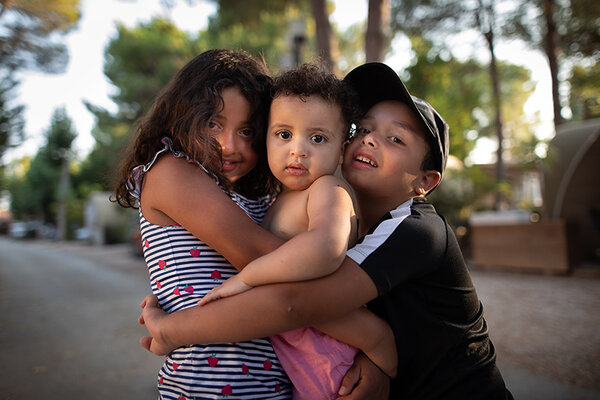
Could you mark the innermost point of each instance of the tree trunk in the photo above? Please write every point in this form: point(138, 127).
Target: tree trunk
point(63, 190)
point(485, 17)
point(378, 26)
point(326, 43)
point(497, 106)
point(552, 51)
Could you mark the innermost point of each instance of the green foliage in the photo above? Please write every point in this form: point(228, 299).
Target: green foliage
point(461, 93)
point(248, 13)
point(268, 42)
point(584, 97)
point(33, 195)
point(11, 120)
point(140, 61)
point(434, 78)
point(351, 43)
point(26, 37)
point(578, 28)
point(29, 39)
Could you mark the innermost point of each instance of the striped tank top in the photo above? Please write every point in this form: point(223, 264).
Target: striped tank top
point(182, 270)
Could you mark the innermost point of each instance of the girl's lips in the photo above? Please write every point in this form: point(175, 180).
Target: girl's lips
point(229, 165)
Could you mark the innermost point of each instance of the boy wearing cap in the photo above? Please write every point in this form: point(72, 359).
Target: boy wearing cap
point(407, 264)
point(411, 254)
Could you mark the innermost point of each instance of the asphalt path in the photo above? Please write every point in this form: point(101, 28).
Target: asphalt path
point(67, 323)
point(68, 326)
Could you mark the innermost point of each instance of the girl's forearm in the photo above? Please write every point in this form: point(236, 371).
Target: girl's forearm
point(271, 309)
point(365, 331)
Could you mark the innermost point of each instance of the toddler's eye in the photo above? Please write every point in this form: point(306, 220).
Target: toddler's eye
point(318, 139)
point(284, 135)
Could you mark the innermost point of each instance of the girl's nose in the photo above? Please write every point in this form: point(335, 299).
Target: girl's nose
point(227, 141)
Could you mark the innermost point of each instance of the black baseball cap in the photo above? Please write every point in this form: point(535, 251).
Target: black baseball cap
point(375, 82)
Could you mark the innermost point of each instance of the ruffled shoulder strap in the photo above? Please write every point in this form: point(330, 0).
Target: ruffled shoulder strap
point(134, 181)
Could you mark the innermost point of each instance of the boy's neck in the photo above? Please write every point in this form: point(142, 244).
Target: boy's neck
point(370, 210)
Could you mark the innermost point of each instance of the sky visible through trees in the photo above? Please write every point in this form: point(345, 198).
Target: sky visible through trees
point(84, 79)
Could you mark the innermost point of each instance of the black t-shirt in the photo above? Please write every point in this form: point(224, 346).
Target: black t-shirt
point(427, 296)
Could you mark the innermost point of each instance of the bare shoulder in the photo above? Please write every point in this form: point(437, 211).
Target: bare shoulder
point(331, 190)
point(170, 171)
point(174, 183)
point(328, 183)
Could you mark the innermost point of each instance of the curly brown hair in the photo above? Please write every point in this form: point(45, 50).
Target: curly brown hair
point(183, 108)
point(312, 80)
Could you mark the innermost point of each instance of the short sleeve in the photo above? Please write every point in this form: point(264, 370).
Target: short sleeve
point(400, 247)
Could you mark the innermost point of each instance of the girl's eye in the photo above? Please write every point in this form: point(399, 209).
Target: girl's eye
point(246, 132)
point(318, 139)
point(284, 135)
point(213, 127)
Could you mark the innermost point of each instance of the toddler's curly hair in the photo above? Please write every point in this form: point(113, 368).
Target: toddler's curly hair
point(312, 80)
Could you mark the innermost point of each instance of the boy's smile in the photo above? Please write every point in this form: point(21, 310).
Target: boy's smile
point(304, 139)
point(362, 159)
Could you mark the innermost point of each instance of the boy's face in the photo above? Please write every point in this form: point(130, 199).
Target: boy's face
point(385, 157)
point(304, 140)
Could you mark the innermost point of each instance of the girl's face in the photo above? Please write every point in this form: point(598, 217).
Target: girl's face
point(232, 129)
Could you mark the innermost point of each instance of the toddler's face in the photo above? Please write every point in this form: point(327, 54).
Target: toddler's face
point(232, 129)
point(387, 152)
point(304, 140)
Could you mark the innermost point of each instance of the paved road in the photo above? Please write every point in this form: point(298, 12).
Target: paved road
point(68, 331)
point(546, 332)
point(67, 325)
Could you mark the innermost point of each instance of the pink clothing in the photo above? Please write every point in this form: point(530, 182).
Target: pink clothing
point(315, 363)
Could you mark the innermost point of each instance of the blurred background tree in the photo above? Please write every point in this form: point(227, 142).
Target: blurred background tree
point(42, 188)
point(482, 98)
point(31, 37)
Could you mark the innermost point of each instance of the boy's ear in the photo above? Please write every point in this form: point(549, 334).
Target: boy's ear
point(428, 181)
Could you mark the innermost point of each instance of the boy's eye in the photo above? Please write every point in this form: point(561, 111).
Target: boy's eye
point(362, 131)
point(284, 135)
point(396, 139)
point(318, 139)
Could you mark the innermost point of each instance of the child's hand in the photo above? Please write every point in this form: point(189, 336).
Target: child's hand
point(151, 317)
point(364, 381)
point(232, 286)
